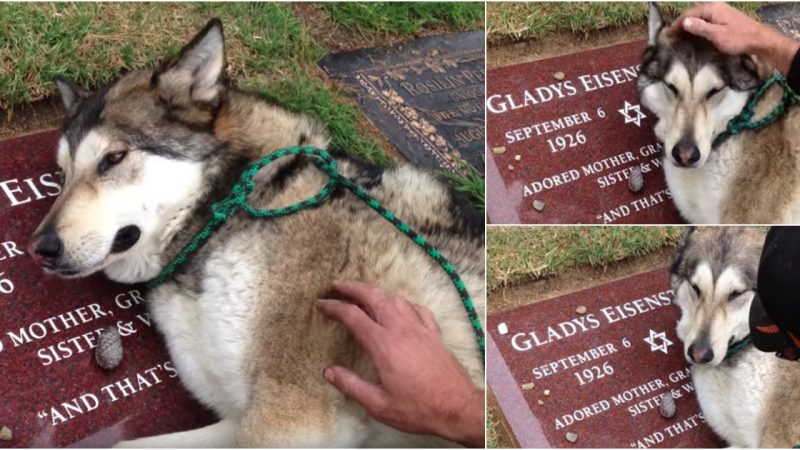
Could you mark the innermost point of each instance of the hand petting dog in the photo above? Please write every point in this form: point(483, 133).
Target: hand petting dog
point(734, 33)
point(422, 388)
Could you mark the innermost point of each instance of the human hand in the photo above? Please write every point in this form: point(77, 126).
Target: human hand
point(734, 33)
point(421, 387)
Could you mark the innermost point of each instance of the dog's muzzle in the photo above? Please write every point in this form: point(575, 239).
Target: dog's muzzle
point(686, 153)
point(46, 248)
point(700, 352)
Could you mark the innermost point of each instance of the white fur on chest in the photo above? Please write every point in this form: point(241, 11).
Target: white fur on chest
point(733, 399)
point(700, 194)
point(209, 336)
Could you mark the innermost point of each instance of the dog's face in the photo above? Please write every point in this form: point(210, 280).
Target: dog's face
point(714, 279)
point(693, 89)
point(131, 155)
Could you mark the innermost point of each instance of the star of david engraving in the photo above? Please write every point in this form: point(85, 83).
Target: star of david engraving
point(658, 346)
point(632, 113)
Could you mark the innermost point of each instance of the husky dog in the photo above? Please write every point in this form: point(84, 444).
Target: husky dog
point(749, 398)
point(694, 90)
point(143, 159)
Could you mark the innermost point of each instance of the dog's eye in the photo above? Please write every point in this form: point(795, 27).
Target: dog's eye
point(672, 88)
point(111, 159)
point(734, 295)
point(695, 288)
point(714, 92)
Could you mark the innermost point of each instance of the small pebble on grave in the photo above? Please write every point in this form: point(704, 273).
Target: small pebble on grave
point(636, 179)
point(499, 150)
point(559, 76)
point(510, 167)
point(538, 205)
point(668, 407)
point(6, 434)
point(108, 353)
point(517, 157)
point(580, 310)
point(547, 392)
point(527, 386)
point(571, 437)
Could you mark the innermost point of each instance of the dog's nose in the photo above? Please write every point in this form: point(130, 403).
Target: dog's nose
point(47, 248)
point(700, 352)
point(685, 152)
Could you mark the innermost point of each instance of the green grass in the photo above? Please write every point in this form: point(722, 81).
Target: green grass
point(514, 21)
point(522, 253)
point(492, 435)
point(472, 184)
point(406, 17)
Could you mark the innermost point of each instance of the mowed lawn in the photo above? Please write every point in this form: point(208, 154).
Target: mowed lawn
point(269, 49)
point(517, 254)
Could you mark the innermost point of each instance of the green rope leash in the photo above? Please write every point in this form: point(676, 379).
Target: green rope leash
point(739, 346)
point(226, 208)
point(744, 121)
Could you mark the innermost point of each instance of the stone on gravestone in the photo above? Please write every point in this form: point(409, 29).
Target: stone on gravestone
point(784, 16)
point(578, 138)
point(425, 95)
point(54, 394)
point(606, 370)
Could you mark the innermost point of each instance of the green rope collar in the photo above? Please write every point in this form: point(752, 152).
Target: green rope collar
point(744, 121)
point(225, 209)
point(739, 346)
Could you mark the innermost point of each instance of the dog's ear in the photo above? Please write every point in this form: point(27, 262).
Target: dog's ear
point(678, 257)
point(655, 23)
point(743, 72)
point(196, 74)
point(71, 93)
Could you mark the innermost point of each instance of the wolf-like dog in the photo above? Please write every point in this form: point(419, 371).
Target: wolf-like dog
point(145, 157)
point(694, 90)
point(748, 397)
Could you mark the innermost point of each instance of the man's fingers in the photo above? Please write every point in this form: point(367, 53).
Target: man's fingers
point(426, 316)
point(702, 28)
point(361, 293)
point(364, 393)
point(704, 12)
point(364, 329)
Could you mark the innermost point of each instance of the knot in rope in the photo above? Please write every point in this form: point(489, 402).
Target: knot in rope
point(226, 208)
point(744, 121)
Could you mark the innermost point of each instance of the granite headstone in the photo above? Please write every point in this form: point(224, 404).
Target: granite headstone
point(591, 366)
point(783, 16)
point(563, 137)
point(426, 96)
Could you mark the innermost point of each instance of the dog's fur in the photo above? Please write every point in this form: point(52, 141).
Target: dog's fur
point(694, 90)
point(751, 399)
point(240, 318)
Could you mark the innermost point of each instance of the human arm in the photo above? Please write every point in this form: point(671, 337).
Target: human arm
point(733, 32)
point(421, 387)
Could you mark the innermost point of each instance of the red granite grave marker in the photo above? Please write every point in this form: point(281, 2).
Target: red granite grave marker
point(52, 393)
point(598, 375)
point(570, 139)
